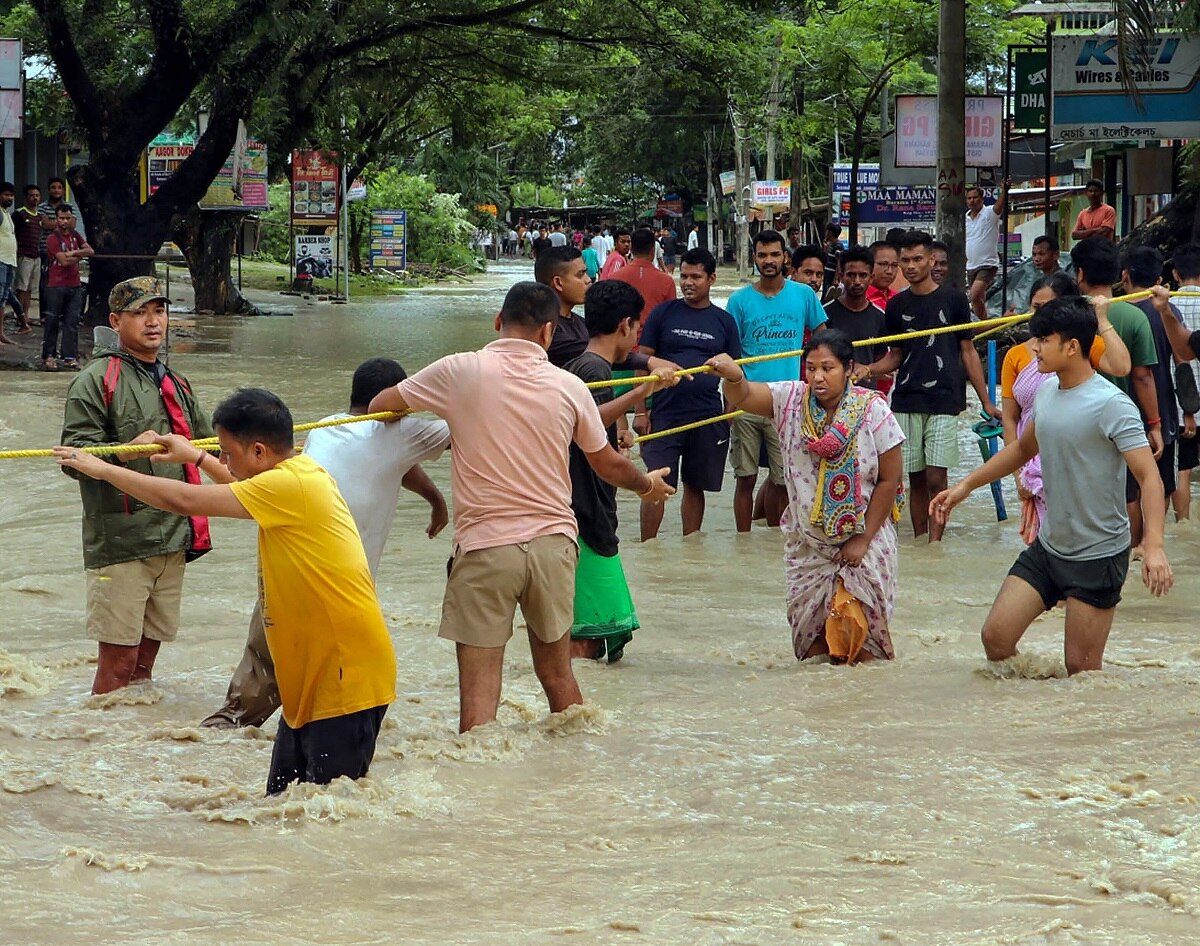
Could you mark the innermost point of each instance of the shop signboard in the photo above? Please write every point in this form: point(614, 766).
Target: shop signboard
point(389, 239)
point(1091, 103)
point(314, 189)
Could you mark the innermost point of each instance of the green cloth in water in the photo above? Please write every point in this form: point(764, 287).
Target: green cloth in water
point(603, 606)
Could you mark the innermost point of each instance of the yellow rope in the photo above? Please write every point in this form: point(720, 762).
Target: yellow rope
point(205, 443)
point(210, 443)
point(692, 426)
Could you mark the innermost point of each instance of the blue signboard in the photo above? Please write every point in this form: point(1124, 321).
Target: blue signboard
point(1090, 102)
point(389, 239)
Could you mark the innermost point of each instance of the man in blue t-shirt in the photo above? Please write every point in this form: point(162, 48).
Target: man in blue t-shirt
point(688, 331)
point(773, 315)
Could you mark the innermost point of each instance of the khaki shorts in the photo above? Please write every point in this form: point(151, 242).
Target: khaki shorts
point(29, 274)
point(983, 274)
point(130, 600)
point(486, 585)
point(929, 440)
point(746, 436)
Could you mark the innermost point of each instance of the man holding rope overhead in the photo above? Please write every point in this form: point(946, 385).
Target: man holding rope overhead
point(512, 417)
point(1087, 432)
point(133, 554)
point(930, 389)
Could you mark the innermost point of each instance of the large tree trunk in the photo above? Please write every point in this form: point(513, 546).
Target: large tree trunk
point(124, 233)
point(207, 239)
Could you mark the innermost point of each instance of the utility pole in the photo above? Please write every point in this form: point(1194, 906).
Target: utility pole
point(773, 125)
point(796, 210)
point(952, 140)
point(741, 152)
point(710, 205)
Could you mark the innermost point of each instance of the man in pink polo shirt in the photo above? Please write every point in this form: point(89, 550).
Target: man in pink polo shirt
point(512, 416)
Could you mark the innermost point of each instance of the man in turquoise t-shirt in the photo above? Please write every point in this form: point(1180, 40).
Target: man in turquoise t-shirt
point(772, 315)
point(590, 258)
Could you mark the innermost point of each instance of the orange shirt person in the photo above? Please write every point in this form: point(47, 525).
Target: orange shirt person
point(1099, 219)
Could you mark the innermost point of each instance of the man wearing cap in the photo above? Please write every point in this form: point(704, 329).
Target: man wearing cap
point(133, 554)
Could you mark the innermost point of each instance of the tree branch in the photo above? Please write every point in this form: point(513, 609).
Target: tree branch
point(92, 110)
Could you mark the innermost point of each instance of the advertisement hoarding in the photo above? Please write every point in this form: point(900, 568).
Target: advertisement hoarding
point(165, 153)
point(389, 239)
point(314, 189)
point(771, 193)
point(917, 131)
point(885, 204)
point(1090, 103)
point(314, 256)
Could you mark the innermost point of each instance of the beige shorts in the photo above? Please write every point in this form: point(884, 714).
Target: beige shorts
point(984, 274)
point(29, 273)
point(746, 436)
point(130, 600)
point(486, 585)
point(929, 440)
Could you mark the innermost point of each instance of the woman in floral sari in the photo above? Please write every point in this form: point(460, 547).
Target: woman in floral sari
point(842, 469)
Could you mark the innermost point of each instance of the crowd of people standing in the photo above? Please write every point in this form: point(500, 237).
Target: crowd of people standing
point(41, 247)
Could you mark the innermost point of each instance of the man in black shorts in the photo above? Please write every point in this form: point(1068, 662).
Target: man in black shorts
point(688, 331)
point(1087, 431)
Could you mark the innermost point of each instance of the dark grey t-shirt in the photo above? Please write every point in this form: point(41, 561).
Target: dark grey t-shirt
point(1081, 434)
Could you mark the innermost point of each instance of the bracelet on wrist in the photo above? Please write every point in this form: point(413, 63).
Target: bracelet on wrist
point(200, 459)
point(649, 489)
point(1154, 423)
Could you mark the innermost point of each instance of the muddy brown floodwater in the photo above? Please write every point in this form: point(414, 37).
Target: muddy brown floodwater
point(712, 791)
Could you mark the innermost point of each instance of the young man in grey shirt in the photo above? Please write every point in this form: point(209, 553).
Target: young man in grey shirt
point(1087, 431)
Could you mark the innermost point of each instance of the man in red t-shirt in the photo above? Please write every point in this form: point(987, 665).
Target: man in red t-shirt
point(616, 258)
point(885, 266)
point(641, 273)
point(63, 304)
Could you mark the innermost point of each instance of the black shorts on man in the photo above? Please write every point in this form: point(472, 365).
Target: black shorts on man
point(1097, 582)
point(325, 749)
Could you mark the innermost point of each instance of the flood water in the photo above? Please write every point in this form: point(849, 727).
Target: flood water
point(712, 791)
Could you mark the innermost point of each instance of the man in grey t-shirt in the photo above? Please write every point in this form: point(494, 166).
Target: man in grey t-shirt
point(1087, 431)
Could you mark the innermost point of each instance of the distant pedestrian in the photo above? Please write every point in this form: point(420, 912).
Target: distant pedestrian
point(62, 300)
point(983, 232)
point(618, 254)
point(885, 267)
point(28, 224)
point(8, 251)
point(1098, 219)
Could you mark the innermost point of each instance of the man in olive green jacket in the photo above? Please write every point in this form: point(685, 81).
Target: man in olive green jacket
point(133, 554)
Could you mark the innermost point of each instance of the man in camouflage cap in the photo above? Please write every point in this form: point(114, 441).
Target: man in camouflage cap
point(133, 554)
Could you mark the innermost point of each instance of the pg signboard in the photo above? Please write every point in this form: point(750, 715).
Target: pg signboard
point(1091, 104)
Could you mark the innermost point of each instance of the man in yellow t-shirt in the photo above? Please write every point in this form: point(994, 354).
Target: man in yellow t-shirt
point(334, 661)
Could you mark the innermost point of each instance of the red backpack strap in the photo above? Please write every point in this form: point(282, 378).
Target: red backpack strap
point(111, 373)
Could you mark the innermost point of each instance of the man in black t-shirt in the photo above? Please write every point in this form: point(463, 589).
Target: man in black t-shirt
point(1143, 266)
point(852, 314)
point(605, 618)
point(932, 370)
point(562, 269)
point(688, 331)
